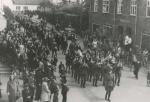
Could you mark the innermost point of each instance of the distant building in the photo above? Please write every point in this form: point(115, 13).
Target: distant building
point(68, 1)
point(116, 18)
point(22, 5)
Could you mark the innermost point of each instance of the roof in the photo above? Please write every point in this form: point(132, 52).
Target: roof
point(28, 2)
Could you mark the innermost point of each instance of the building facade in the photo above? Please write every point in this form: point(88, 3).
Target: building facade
point(117, 18)
point(22, 5)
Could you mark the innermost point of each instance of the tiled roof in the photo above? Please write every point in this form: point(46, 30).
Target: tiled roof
point(28, 2)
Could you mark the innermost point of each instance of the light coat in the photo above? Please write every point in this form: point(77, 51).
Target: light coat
point(45, 95)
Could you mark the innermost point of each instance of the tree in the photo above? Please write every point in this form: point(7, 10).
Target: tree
point(47, 4)
point(64, 1)
point(81, 10)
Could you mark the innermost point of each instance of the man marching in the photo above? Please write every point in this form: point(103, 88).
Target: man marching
point(109, 84)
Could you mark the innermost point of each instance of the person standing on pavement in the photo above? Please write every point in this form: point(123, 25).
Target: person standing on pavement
point(117, 71)
point(45, 91)
point(64, 92)
point(11, 89)
point(137, 66)
point(148, 78)
point(109, 84)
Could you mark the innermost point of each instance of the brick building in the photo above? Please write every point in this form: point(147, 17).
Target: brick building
point(116, 18)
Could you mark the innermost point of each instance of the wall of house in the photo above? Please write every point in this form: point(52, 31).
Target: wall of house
point(143, 26)
point(139, 24)
point(30, 7)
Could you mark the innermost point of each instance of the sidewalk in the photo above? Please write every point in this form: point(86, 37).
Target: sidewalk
point(130, 90)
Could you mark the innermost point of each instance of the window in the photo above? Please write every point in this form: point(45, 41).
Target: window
point(106, 6)
point(95, 5)
point(148, 8)
point(133, 8)
point(18, 8)
point(25, 8)
point(119, 6)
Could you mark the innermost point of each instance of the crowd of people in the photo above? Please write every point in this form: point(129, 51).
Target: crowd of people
point(31, 45)
point(34, 50)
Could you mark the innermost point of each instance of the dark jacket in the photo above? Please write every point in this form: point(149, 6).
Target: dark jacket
point(65, 89)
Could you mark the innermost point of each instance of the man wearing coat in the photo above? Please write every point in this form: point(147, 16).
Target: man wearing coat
point(54, 90)
point(109, 84)
point(137, 66)
point(64, 92)
point(83, 74)
point(45, 90)
point(11, 89)
point(117, 71)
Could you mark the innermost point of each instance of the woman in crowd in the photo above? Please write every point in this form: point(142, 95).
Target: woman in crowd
point(45, 95)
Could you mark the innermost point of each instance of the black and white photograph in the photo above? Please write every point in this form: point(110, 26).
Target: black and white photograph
point(74, 50)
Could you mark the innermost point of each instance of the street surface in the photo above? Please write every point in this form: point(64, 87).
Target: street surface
point(130, 89)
